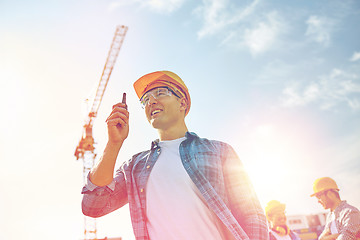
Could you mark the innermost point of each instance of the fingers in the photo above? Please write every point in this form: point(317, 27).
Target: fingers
point(118, 115)
point(116, 122)
point(122, 105)
point(117, 118)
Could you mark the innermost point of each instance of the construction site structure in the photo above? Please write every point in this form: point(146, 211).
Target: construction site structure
point(86, 149)
point(308, 227)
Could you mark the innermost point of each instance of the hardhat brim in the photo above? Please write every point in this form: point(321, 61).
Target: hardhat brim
point(314, 194)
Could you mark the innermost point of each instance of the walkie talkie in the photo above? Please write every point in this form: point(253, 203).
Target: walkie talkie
point(124, 100)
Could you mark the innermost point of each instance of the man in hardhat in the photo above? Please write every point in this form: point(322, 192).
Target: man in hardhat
point(184, 186)
point(279, 230)
point(343, 220)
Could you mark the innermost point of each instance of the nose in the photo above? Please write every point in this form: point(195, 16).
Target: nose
point(152, 100)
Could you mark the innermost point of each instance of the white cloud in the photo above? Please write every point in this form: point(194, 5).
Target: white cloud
point(319, 29)
point(165, 6)
point(293, 97)
point(329, 91)
point(240, 26)
point(114, 5)
point(160, 6)
point(355, 57)
point(235, 25)
point(219, 14)
point(263, 35)
point(212, 13)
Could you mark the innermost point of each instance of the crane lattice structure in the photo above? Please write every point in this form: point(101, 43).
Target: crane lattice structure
point(85, 149)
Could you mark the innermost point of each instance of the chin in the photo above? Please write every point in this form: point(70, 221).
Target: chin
point(325, 207)
point(155, 124)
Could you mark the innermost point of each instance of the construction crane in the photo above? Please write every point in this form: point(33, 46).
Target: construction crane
point(85, 149)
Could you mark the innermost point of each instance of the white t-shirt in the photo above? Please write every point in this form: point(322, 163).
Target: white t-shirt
point(333, 227)
point(174, 206)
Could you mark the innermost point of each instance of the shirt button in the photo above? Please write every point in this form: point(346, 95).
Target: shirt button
point(148, 166)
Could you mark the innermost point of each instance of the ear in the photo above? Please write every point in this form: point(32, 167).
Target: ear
point(331, 195)
point(183, 104)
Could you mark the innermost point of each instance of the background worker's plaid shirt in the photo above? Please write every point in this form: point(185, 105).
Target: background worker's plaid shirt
point(347, 221)
point(214, 168)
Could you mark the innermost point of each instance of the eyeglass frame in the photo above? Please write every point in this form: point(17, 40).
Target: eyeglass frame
point(169, 91)
point(325, 192)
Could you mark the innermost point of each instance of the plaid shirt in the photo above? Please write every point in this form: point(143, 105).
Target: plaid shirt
point(347, 221)
point(214, 168)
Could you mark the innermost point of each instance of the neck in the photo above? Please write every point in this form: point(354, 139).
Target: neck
point(336, 204)
point(172, 133)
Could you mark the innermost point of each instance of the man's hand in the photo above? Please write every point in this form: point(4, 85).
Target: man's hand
point(118, 124)
point(329, 237)
point(118, 129)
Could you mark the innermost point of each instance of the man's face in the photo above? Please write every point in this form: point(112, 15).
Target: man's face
point(278, 219)
point(163, 109)
point(324, 200)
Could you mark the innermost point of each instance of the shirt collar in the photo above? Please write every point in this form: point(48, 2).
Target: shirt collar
point(188, 135)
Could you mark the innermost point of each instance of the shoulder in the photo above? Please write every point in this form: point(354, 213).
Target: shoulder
point(135, 158)
point(207, 143)
point(347, 208)
point(141, 155)
point(347, 213)
point(352, 208)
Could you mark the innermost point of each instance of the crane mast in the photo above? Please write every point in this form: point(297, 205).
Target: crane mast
point(85, 148)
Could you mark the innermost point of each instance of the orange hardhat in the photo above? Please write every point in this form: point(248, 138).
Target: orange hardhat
point(162, 78)
point(274, 206)
point(323, 184)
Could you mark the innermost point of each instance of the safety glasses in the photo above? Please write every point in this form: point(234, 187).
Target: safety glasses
point(156, 93)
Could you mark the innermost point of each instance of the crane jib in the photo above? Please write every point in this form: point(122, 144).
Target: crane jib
point(85, 148)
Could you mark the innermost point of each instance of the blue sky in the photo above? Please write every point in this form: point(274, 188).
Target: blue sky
point(278, 80)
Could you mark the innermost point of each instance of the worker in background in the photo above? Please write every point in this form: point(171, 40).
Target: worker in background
point(343, 220)
point(184, 186)
point(279, 230)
